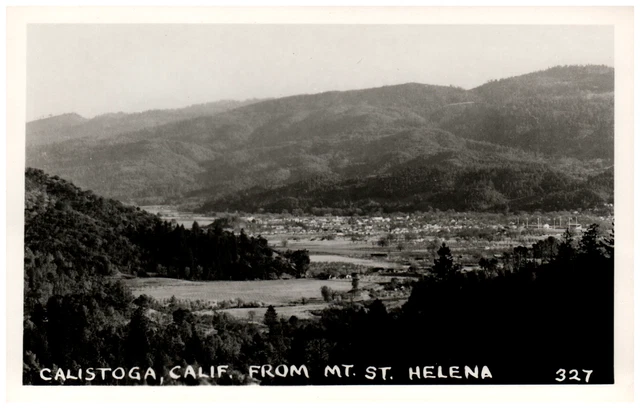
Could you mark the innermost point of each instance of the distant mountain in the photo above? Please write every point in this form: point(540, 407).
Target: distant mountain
point(339, 149)
point(49, 129)
point(73, 126)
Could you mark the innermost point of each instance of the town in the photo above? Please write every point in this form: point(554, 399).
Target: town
point(397, 242)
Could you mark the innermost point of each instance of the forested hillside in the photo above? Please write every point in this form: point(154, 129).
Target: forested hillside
point(73, 235)
point(563, 111)
point(556, 124)
point(461, 181)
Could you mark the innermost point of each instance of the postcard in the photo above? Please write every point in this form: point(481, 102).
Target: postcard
point(361, 203)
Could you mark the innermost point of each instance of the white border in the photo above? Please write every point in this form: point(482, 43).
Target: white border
point(621, 18)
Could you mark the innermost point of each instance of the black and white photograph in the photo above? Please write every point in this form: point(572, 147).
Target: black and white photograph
point(331, 204)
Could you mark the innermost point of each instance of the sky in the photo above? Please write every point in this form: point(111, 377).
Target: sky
point(91, 69)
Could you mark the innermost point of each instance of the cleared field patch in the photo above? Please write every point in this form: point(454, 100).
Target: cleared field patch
point(355, 261)
point(338, 246)
point(300, 311)
point(272, 292)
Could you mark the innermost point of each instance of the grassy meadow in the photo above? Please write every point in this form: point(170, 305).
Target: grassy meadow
point(271, 292)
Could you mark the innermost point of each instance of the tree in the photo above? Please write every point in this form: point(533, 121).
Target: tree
point(377, 311)
point(590, 243)
point(383, 242)
point(546, 249)
point(488, 265)
point(173, 302)
point(181, 316)
point(197, 275)
point(443, 266)
point(270, 316)
point(301, 260)
point(566, 251)
point(355, 281)
point(140, 339)
point(327, 293)
point(520, 256)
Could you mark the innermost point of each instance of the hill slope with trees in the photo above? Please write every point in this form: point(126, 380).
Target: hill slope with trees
point(559, 120)
point(71, 234)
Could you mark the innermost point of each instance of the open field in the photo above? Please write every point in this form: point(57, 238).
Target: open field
point(355, 261)
point(300, 311)
point(338, 245)
point(169, 213)
point(271, 292)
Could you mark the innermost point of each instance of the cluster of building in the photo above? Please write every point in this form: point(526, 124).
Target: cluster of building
point(415, 227)
point(339, 226)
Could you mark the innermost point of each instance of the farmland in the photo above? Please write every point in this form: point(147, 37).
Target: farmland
point(275, 292)
point(293, 297)
point(354, 261)
point(379, 249)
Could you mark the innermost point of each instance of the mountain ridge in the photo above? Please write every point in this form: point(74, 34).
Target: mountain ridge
point(73, 126)
point(555, 116)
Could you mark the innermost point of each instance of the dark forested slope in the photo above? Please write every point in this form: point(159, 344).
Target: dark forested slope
point(427, 183)
point(71, 234)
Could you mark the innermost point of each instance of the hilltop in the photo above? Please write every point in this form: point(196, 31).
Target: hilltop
point(71, 126)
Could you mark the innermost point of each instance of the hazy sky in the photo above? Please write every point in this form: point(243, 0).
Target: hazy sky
point(94, 69)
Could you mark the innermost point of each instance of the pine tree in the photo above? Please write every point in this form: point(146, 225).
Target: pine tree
point(566, 250)
point(270, 316)
point(443, 266)
point(590, 242)
point(140, 337)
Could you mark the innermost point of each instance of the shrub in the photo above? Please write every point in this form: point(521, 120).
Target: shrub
point(327, 293)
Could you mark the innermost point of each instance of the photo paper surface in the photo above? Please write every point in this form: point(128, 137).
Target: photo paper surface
point(331, 197)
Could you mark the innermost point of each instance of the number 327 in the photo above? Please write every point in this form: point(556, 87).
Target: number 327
point(573, 375)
